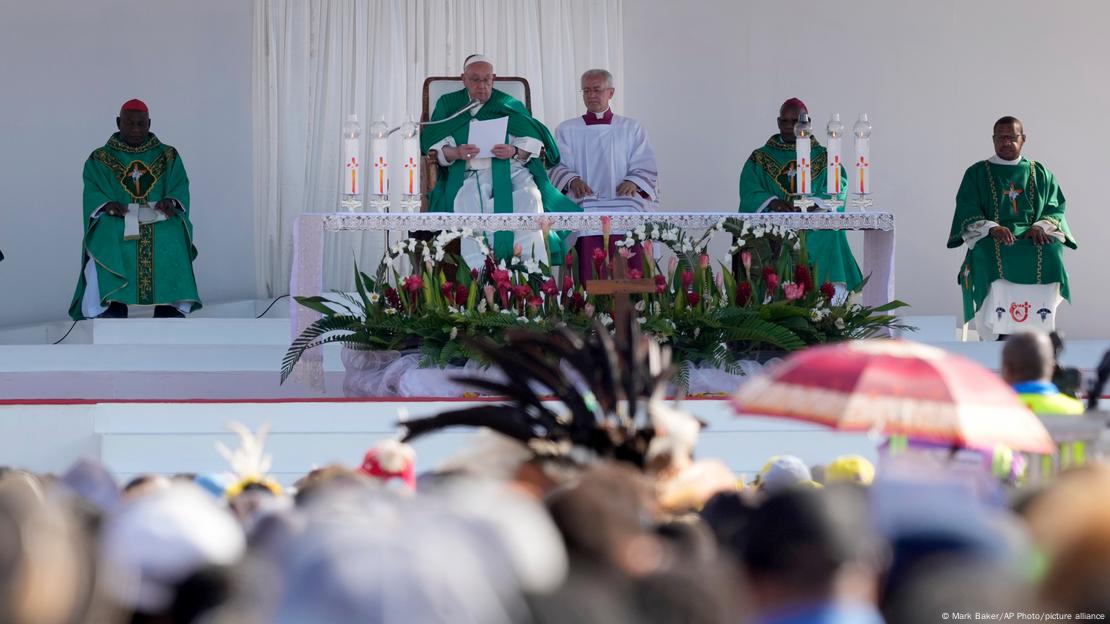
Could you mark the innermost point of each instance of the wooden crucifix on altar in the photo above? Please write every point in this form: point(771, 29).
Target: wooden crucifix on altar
point(621, 287)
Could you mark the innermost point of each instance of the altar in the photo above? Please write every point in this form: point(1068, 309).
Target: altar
point(308, 245)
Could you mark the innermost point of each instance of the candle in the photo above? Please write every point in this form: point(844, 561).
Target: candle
point(379, 158)
point(410, 157)
point(802, 146)
point(862, 130)
point(833, 182)
point(352, 147)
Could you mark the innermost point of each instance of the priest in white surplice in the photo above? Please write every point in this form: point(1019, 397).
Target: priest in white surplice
point(607, 163)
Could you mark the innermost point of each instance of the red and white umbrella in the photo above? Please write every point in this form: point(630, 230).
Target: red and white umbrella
point(897, 387)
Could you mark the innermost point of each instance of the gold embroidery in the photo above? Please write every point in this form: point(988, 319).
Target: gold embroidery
point(150, 143)
point(145, 265)
point(103, 157)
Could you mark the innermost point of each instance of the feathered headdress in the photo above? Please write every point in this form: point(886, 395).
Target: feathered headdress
point(249, 463)
point(612, 395)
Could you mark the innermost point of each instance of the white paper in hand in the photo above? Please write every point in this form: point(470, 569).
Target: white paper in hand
point(486, 134)
point(139, 214)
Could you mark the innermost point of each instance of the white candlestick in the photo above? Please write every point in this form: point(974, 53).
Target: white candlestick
point(379, 163)
point(804, 171)
point(833, 182)
point(352, 157)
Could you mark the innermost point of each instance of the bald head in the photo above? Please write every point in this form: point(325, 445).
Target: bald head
point(1028, 357)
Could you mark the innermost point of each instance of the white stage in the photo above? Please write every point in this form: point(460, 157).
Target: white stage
point(152, 395)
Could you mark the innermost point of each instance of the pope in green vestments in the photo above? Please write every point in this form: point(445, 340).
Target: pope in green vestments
point(155, 268)
point(478, 78)
point(768, 180)
point(1010, 212)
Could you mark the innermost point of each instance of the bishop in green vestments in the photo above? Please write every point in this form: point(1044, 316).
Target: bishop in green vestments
point(514, 179)
point(1010, 213)
point(767, 183)
point(154, 268)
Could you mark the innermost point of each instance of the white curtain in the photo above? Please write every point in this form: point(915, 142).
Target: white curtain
point(315, 62)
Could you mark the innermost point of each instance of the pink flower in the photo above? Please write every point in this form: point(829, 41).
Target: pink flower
point(647, 247)
point(692, 298)
point(606, 225)
point(518, 249)
point(746, 260)
point(624, 252)
point(660, 284)
point(720, 282)
point(413, 283)
point(448, 290)
point(703, 261)
point(687, 279)
point(589, 309)
point(793, 291)
point(488, 290)
point(772, 282)
point(672, 266)
point(549, 288)
point(635, 274)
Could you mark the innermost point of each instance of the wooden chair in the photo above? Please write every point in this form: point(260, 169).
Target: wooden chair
point(436, 86)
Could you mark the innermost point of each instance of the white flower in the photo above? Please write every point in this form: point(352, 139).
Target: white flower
point(640, 305)
point(697, 332)
point(454, 333)
point(391, 311)
point(641, 231)
point(641, 320)
point(839, 323)
point(467, 232)
point(374, 298)
point(482, 306)
point(606, 320)
point(509, 312)
point(656, 308)
point(531, 265)
point(522, 319)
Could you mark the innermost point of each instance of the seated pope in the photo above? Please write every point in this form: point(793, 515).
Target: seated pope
point(768, 183)
point(607, 163)
point(512, 178)
point(138, 243)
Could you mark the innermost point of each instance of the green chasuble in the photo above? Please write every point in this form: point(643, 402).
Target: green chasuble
point(769, 173)
point(1014, 196)
point(521, 124)
point(157, 267)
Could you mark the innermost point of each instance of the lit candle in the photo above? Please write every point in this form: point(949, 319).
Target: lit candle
point(352, 148)
point(833, 182)
point(862, 130)
point(379, 157)
point(802, 146)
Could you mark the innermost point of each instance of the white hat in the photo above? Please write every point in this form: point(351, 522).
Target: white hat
point(476, 58)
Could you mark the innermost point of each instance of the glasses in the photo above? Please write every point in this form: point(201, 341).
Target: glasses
point(594, 90)
point(474, 81)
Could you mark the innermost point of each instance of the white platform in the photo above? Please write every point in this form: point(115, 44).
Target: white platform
point(153, 395)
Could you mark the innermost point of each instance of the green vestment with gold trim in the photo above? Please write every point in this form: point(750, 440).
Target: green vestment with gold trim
point(1014, 196)
point(769, 174)
point(156, 268)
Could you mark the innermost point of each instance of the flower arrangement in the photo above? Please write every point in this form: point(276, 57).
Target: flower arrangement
point(424, 297)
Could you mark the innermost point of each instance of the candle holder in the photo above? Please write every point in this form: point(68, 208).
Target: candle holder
point(803, 133)
point(861, 193)
point(410, 152)
point(833, 181)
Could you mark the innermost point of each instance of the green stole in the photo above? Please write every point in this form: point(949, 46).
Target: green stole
point(156, 268)
point(1013, 196)
point(766, 175)
point(521, 124)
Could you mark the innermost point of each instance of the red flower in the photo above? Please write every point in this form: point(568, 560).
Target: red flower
point(569, 260)
point(393, 298)
point(535, 302)
point(462, 293)
point(599, 257)
point(660, 283)
point(491, 266)
point(414, 283)
point(568, 283)
point(522, 291)
point(549, 288)
point(687, 279)
point(703, 261)
point(635, 274)
point(771, 279)
point(803, 277)
point(692, 298)
point(474, 274)
point(828, 291)
point(448, 290)
point(500, 277)
point(743, 293)
point(577, 301)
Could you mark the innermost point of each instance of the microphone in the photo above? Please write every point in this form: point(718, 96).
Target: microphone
point(474, 103)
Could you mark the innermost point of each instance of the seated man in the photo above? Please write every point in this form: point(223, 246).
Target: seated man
point(1010, 213)
point(767, 183)
point(1028, 360)
point(513, 180)
point(607, 163)
point(131, 174)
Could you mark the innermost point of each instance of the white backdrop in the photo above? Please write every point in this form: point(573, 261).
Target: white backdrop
point(68, 66)
point(707, 76)
point(313, 63)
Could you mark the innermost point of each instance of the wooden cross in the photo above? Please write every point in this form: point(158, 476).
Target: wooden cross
point(620, 287)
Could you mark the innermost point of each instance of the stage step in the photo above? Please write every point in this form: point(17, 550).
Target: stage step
point(190, 331)
point(939, 328)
